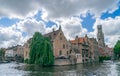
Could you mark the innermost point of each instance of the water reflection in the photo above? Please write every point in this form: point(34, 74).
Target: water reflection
point(8, 69)
point(13, 69)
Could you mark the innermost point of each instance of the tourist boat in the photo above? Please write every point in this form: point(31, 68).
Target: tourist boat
point(108, 61)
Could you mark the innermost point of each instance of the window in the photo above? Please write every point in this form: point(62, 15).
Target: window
point(60, 38)
point(60, 33)
point(60, 52)
point(77, 56)
point(63, 46)
point(67, 52)
point(67, 46)
point(26, 53)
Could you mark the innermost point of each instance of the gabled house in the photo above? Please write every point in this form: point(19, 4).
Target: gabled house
point(59, 42)
point(20, 51)
point(94, 49)
point(75, 53)
point(26, 49)
point(11, 51)
point(82, 44)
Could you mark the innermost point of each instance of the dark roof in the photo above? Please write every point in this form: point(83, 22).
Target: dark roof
point(52, 35)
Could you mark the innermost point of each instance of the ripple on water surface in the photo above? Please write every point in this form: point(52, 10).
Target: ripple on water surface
point(9, 69)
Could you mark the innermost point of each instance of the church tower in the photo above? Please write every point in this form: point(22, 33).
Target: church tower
point(100, 36)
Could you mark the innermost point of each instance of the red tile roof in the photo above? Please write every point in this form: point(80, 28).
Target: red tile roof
point(78, 40)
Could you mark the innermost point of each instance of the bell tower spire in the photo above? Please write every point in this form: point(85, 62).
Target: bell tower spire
point(100, 36)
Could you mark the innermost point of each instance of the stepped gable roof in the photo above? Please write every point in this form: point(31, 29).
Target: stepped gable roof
point(52, 35)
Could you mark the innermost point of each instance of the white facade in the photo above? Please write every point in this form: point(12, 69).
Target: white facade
point(10, 53)
point(79, 58)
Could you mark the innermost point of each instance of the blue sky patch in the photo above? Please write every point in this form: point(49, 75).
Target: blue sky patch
point(8, 22)
point(112, 15)
point(24, 34)
point(88, 22)
point(50, 23)
point(38, 16)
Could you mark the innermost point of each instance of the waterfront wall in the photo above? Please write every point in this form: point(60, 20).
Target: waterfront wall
point(65, 62)
point(62, 62)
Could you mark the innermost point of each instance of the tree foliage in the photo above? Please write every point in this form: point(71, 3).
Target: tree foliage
point(41, 50)
point(117, 49)
point(1, 54)
point(101, 58)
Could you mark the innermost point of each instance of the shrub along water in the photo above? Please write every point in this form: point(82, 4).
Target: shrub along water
point(101, 58)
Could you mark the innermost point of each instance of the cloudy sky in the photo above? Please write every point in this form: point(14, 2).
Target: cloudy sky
point(19, 19)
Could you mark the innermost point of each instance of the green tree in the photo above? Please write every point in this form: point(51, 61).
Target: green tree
point(117, 50)
point(41, 50)
point(1, 54)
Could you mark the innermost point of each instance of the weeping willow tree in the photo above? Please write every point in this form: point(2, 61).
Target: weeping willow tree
point(41, 50)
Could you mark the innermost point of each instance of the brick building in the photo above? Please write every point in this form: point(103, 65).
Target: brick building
point(59, 42)
point(82, 44)
point(94, 49)
point(26, 49)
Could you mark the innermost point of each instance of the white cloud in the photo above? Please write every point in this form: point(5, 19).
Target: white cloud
point(59, 11)
point(19, 9)
point(10, 36)
point(110, 28)
point(13, 35)
point(72, 27)
point(54, 8)
point(112, 40)
point(30, 26)
point(68, 8)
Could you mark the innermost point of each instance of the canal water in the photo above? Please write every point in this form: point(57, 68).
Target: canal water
point(105, 69)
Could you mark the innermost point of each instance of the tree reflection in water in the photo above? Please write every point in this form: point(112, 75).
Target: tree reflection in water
point(13, 69)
